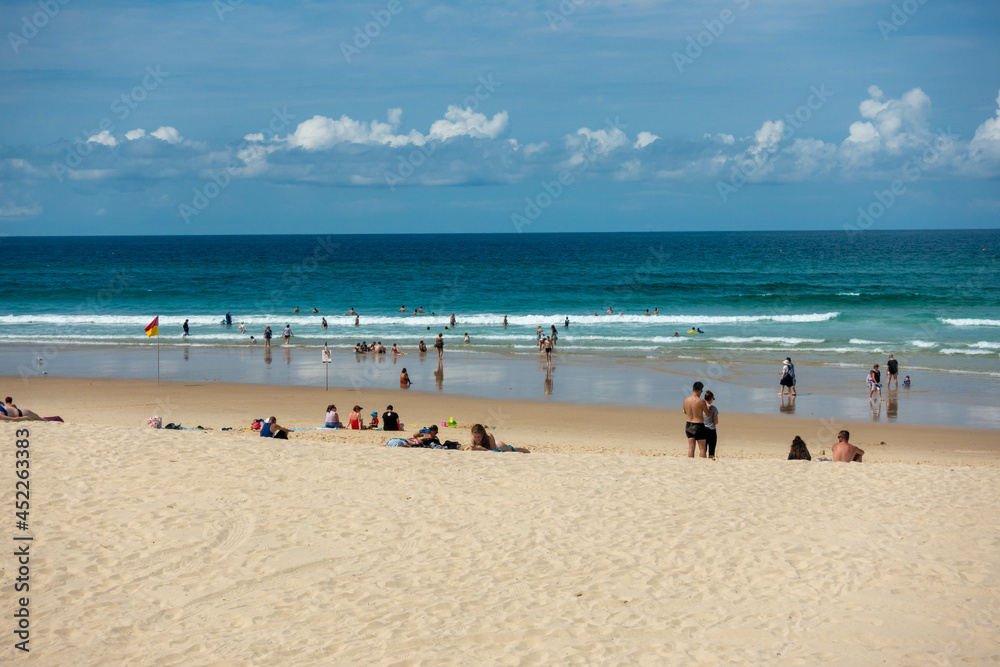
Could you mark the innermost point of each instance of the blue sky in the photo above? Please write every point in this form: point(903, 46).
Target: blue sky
point(396, 116)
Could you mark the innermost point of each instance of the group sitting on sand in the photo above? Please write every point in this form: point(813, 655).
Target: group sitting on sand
point(843, 451)
point(481, 441)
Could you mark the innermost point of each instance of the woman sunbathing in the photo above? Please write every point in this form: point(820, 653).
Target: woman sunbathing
point(10, 412)
point(485, 442)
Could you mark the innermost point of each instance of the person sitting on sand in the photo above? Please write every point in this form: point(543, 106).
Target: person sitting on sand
point(422, 347)
point(395, 349)
point(270, 429)
point(404, 379)
point(425, 438)
point(332, 418)
point(844, 451)
point(799, 451)
point(356, 420)
point(390, 419)
point(485, 442)
point(373, 424)
point(10, 412)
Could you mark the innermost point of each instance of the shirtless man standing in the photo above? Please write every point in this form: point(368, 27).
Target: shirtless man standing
point(694, 409)
point(844, 451)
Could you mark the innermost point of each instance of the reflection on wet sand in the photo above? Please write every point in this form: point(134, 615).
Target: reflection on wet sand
point(439, 375)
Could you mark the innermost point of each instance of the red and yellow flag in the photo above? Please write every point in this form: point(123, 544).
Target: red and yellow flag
point(153, 329)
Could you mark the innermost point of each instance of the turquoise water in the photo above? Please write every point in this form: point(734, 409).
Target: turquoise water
point(930, 298)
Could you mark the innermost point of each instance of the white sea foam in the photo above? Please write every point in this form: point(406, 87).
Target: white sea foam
point(985, 345)
point(922, 344)
point(862, 341)
point(434, 321)
point(767, 339)
point(951, 350)
point(848, 293)
point(969, 322)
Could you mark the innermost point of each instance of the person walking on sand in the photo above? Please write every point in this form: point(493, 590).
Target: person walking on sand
point(875, 382)
point(439, 344)
point(547, 344)
point(711, 433)
point(694, 410)
point(287, 333)
point(787, 376)
point(844, 451)
point(892, 368)
point(267, 336)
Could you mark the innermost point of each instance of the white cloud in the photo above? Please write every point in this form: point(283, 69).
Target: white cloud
point(989, 130)
point(132, 135)
point(466, 122)
point(644, 139)
point(168, 134)
point(861, 132)
point(104, 138)
point(19, 211)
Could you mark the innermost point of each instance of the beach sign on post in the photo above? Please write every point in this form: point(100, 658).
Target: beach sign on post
point(153, 329)
point(326, 362)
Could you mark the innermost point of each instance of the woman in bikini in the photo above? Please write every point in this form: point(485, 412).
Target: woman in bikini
point(10, 412)
point(485, 442)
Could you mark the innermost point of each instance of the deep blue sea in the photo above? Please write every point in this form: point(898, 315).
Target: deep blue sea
point(932, 298)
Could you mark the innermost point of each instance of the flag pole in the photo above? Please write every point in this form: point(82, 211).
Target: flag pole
point(157, 356)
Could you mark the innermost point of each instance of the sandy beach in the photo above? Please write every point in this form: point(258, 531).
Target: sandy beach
point(606, 545)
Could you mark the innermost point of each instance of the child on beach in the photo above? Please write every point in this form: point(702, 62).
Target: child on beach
point(374, 422)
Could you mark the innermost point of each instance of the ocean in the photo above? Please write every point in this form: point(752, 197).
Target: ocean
point(931, 298)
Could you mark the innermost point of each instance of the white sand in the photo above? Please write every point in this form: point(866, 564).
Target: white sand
point(180, 548)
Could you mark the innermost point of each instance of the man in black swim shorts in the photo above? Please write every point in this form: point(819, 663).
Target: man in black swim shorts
point(694, 428)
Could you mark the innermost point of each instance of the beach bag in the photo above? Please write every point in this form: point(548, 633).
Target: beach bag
point(451, 444)
point(154, 422)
